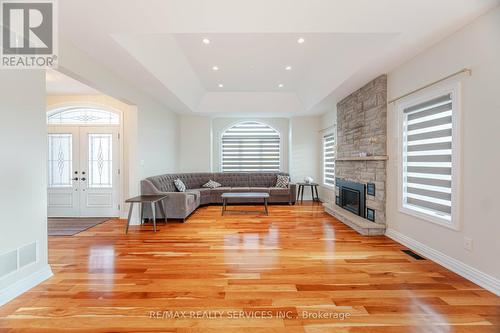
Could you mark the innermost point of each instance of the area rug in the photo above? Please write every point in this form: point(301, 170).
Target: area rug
point(71, 226)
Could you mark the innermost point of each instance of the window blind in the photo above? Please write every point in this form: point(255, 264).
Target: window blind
point(329, 159)
point(250, 146)
point(427, 157)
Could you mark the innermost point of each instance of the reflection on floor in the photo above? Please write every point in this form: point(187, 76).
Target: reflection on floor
point(296, 270)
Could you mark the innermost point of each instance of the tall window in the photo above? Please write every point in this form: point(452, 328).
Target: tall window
point(250, 146)
point(82, 115)
point(429, 157)
point(329, 159)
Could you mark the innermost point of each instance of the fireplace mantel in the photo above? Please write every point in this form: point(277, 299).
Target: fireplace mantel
point(365, 158)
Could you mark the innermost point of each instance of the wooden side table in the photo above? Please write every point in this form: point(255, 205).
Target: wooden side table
point(153, 200)
point(314, 191)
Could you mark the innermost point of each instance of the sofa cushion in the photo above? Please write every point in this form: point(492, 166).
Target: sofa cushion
point(282, 181)
point(196, 179)
point(211, 184)
point(264, 179)
point(179, 185)
point(232, 179)
point(204, 194)
point(220, 190)
point(195, 192)
point(193, 200)
point(240, 189)
point(259, 189)
point(279, 191)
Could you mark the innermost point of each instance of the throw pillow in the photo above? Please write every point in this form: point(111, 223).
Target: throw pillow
point(282, 181)
point(212, 184)
point(179, 185)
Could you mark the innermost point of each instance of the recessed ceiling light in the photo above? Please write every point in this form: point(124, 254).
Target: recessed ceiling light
point(206, 41)
point(288, 68)
point(221, 85)
point(215, 68)
point(301, 40)
point(280, 85)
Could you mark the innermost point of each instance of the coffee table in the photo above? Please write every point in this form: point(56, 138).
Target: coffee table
point(244, 195)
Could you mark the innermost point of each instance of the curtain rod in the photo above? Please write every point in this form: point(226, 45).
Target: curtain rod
point(463, 71)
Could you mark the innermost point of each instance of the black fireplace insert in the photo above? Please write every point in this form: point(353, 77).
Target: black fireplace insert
point(352, 196)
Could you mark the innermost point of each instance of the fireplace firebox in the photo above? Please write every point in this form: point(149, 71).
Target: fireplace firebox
point(352, 196)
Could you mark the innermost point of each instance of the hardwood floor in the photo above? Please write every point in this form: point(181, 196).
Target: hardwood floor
point(296, 270)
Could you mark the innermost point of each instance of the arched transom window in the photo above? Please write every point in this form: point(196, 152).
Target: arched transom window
point(81, 116)
point(250, 146)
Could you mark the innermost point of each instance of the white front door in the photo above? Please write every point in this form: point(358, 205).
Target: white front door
point(83, 171)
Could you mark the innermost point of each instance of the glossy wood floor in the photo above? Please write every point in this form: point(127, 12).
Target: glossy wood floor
point(249, 273)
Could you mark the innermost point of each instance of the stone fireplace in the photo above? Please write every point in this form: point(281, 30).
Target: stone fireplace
point(360, 165)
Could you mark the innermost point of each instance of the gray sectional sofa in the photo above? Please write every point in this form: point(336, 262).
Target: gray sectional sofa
point(179, 205)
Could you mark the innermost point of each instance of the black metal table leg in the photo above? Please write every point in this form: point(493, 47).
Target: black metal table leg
point(314, 192)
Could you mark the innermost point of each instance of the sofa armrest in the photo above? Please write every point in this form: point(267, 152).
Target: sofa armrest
point(176, 204)
point(148, 188)
point(293, 192)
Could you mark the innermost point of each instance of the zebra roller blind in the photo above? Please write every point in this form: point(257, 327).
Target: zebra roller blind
point(329, 159)
point(250, 146)
point(427, 157)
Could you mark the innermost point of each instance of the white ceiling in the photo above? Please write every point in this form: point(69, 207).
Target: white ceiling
point(257, 62)
point(157, 45)
point(60, 84)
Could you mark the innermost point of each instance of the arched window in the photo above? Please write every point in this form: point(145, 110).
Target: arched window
point(250, 146)
point(82, 116)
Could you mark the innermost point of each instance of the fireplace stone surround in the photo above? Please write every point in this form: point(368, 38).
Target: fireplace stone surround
point(362, 130)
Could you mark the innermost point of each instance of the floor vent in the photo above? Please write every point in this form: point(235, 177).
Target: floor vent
point(413, 254)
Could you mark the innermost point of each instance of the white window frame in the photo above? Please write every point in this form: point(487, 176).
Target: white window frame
point(223, 131)
point(454, 88)
point(330, 132)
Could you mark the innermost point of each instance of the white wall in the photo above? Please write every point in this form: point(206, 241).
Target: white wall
point(304, 155)
point(219, 125)
point(194, 143)
point(23, 190)
point(157, 126)
point(477, 46)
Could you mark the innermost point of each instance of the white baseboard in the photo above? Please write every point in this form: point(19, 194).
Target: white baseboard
point(25, 284)
point(470, 273)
